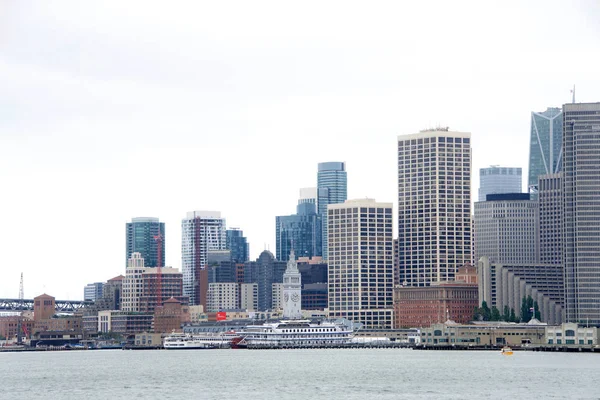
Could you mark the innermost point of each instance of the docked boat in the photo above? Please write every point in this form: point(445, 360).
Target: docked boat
point(506, 351)
point(296, 334)
point(186, 341)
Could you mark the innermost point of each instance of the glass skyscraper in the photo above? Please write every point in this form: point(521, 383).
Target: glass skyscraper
point(545, 155)
point(301, 232)
point(497, 180)
point(140, 233)
point(332, 188)
point(237, 243)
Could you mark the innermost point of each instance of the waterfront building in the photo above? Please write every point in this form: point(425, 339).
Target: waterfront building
point(434, 205)
point(300, 231)
point(423, 306)
point(505, 285)
point(360, 265)
point(571, 334)
point(492, 333)
point(171, 286)
point(43, 307)
point(60, 324)
point(545, 154)
point(141, 236)
point(496, 180)
point(506, 229)
point(133, 284)
point(249, 296)
point(550, 218)
point(93, 291)
point(238, 245)
point(292, 289)
point(9, 326)
point(581, 212)
point(201, 231)
point(223, 296)
point(332, 188)
point(170, 316)
point(264, 272)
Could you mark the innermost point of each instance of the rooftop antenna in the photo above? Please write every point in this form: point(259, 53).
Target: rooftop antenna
point(573, 91)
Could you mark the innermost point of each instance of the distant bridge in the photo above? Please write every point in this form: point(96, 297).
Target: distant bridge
point(60, 305)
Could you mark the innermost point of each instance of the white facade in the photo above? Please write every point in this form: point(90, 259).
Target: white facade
point(434, 206)
point(222, 296)
point(201, 231)
point(571, 333)
point(361, 262)
point(277, 296)
point(249, 296)
point(292, 290)
point(496, 179)
point(133, 284)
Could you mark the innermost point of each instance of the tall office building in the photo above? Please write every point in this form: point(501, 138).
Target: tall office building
point(140, 233)
point(434, 205)
point(133, 285)
point(361, 262)
point(495, 180)
point(237, 243)
point(545, 155)
point(506, 229)
point(581, 212)
point(300, 232)
point(332, 188)
point(550, 218)
point(201, 231)
point(265, 271)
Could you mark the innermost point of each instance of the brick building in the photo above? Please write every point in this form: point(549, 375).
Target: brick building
point(170, 316)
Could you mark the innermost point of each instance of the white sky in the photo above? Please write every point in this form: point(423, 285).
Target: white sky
point(113, 110)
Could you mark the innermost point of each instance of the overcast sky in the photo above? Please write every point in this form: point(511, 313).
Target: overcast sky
point(113, 110)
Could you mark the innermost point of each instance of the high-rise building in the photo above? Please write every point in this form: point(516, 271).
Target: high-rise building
point(495, 180)
point(201, 231)
point(581, 212)
point(140, 235)
point(249, 296)
point(332, 188)
point(300, 232)
point(550, 218)
point(223, 297)
point(545, 156)
point(434, 205)
point(506, 229)
point(237, 243)
point(111, 295)
point(264, 272)
point(361, 262)
point(132, 284)
point(93, 291)
point(171, 286)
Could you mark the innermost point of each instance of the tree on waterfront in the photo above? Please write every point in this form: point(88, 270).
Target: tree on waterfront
point(513, 316)
point(495, 314)
point(506, 314)
point(482, 313)
point(529, 309)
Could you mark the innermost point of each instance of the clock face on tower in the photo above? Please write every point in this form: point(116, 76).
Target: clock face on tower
point(295, 297)
point(286, 297)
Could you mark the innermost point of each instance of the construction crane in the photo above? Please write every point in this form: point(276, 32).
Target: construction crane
point(159, 244)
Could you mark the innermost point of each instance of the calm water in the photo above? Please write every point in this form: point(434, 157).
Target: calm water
point(297, 374)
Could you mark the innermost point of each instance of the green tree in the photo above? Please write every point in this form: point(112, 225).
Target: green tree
point(495, 314)
point(513, 317)
point(527, 307)
point(538, 316)
point(485, 311)
point(506, 314)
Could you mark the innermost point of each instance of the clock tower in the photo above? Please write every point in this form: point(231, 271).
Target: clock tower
point(292, 287)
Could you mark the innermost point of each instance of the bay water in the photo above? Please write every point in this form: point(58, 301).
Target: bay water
point(298, 374)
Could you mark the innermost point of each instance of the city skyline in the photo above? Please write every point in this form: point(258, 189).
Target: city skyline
point(104, 128)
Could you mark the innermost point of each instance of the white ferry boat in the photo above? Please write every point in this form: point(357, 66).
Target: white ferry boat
point(296, 333)
point(185, 341)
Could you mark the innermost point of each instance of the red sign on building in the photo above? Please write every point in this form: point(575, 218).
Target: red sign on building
point(221, 316)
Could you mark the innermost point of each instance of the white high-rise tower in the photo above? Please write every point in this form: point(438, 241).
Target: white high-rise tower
point(292, 290)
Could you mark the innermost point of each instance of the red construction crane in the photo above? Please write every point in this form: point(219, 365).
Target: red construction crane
point(159, 244)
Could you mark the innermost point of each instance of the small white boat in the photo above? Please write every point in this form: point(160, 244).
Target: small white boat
point(198, 341)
